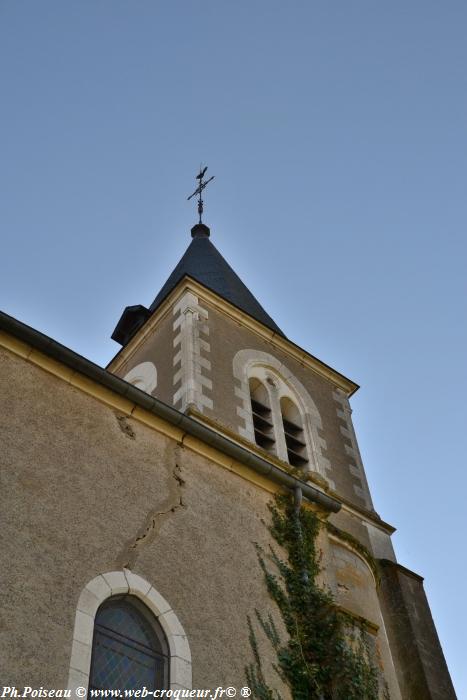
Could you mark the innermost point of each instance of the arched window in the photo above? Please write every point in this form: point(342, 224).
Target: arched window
point(129, 648)
point(263, 379)
point(262, 418)
point(143, 376)
point(293, 433)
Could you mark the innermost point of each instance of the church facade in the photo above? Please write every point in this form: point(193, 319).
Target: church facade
point(133, 497)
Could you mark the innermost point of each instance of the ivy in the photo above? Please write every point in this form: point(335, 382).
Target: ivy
point(327, 655)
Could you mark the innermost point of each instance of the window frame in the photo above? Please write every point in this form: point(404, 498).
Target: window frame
point(250, 362)
point(115, 583)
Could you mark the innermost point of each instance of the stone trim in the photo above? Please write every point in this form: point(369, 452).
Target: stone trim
point(143, 376)
point(188, 284)
point(189, 325)
point(117, 583)
point(249, 363)
point(381, 545)
point(344, 412)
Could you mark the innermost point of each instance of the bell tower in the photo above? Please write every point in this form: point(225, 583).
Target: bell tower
point(206, 347)
point(164, 467)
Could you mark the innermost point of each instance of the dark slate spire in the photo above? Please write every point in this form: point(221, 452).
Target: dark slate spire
point(203, 263)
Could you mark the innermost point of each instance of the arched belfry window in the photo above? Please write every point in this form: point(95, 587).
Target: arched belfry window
point(277, 411)
point(293, 433)
point(262, 417)
point(129, 648)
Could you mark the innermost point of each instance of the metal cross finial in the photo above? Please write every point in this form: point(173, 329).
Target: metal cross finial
point(199, 190)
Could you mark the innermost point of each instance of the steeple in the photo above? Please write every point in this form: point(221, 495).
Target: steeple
point(204, 264)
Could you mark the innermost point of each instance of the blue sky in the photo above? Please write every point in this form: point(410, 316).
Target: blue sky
point(337, 134)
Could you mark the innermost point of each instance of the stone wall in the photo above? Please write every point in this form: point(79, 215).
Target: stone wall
point(421, 668)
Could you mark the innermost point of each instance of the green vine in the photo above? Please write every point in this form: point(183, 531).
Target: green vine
point(327, 655)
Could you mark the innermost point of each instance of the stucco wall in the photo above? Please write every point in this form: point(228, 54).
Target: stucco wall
point(227, 338)
point(81, 487)
point(157, 348)
point(87, 490)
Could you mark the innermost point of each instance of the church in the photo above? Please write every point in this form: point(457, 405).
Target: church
point(136, 496)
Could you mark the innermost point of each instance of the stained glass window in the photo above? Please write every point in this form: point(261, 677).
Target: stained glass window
point(129, 648)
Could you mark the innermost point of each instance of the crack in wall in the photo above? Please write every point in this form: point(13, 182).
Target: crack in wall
point(125, 427)
point(154, 520)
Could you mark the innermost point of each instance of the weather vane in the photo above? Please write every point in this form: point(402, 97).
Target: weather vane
point(199, 190)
